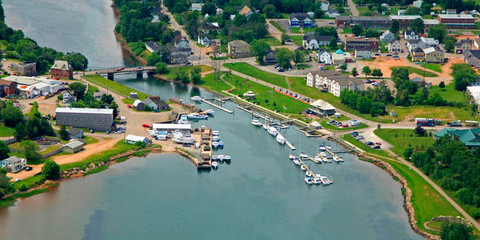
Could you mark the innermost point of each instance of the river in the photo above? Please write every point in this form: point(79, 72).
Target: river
point(260, 195)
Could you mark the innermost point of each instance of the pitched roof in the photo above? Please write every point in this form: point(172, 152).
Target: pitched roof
point(237, 43)
point(299, 16)
point(62, 65)
point(153, 45)
point(410, 32)
point(75, 131)
point(13, 159)
point(470, 137)
point(463, 41)
point(245, 10)
point(74, 143)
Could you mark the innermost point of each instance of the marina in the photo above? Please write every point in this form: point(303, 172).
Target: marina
point(216, 106)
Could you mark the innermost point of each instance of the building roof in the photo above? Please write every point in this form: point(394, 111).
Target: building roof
point(168, 126)
point(430, 21)
point(138, 101)
point(157, 100)
point(74, 143)
point(472, 53)
point(404, 17)
point(5, 82)
point(474, 91)
point(429, 50)
point(463, 41)
point(331, 11)
point(299, 16)
point(21, 80)
point(342, 79)
point(354, 39)
point(245, 10)
point(418, 50)
point(84, 110)
point(238, 43)
point(362, 18)
point(470, 137)
point(135, 138)
point(75, 131)
point(14, 160)
point(456, 16)
point(62, 65)
point(323, 105)
point(410, 32)
point(153, 45)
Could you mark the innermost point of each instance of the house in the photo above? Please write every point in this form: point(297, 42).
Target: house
point(457, 21)
point(418, 3)
point(418, 55)
point(132, 139)
point(413, 44)
point(91, 118)
point(312, 42)
point(139, 105)
point(211, 27)
point(196, 7)
point(428, 42)
point(324, 56)
point(417, 79)
point(363, 54)
point(270, 57)
point(469, 137)
point(433, 55)
point(181, 52)
point(333, 82)
point(7, 88)
point(300, 20)
point(324, 4)
point(361, 44)
point(306, 55)
point(472, 57)
point(13, 164)
point(238, 49)
point(25, 68)
point(410, 35)
point(205, 40)
point(340, 57)
point(61, 69)
point(323, 107)
point(333, 13)
point(462, 45)
point(387, 36)
point(73, 146)
point(451, 11)
point(246, 11)
point(152, 46)
point(474, 92)
point(395, 47)
point(68, 97)
point(155, 103)
point(76, 133)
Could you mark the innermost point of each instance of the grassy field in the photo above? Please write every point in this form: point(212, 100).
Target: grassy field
point(297, 39)
point(433, 66)
point(401, 139)
point(266, 97)
point(335, 128)
point(115, 87)
point(208, 81)
point(252, 71)
point(6, 131)
point(417, 71)
point(450, 94)
point(277, 26)
point(271, 41)
point(443, 113)
point(171, 71)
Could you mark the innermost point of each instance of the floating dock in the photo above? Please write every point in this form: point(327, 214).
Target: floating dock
point(310, 158)
point(217, 106)
point(306, 166)
point(334, 155)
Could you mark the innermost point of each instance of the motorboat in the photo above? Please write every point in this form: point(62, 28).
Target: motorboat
point(303, 167)
point(328, 147)
point(265, 126)
point(215, 133)
point(318, 158)
point(216, 138)
point(280, 139)
point(322, 148)
point(308, 174)
point(228, 158)
point(317, 181)
point(221, 157)
point(323, 154)
point(326, 160)
point(308, 180)
point(303, 155)
point(214, 157)
point(183, 120)
point(209, 112)
point(221, 144)
point(215, 165)
point(297, 162)
point(325, 180)
point(291, 156)
point(215, 144)
point(196, 116)
point(196, 98)
point(336, 159)
point(256, 122)
point(273, 131)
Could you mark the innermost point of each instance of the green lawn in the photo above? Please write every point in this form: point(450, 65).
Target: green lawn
point(433, 66)
point(171, 71)
point(266, 97)
point(297, 39)
point(208, 81)
point(401, 139)
point(113, 86)
point(271, 41)
point(335, 128)
point(6, 131)
point(417, 71)
point(437, 112)
point(347, 30)
point(252, 71)
point(277, 26)
point(450, 94)
point(295, 30)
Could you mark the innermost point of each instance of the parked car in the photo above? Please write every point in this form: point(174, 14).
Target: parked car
point(367, 81)
point(129, 105)
point(27, 168)
point(378, 143)
point(370, 143)
point(146, 125)
point(376, 147)
point(119, 69)
point(389, 55)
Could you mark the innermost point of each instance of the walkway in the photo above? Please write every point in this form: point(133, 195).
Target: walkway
point(353, 8)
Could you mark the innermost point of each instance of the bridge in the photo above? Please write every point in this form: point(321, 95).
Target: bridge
point(110, 72)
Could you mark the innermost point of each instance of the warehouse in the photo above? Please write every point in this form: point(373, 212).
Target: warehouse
point(91, 118)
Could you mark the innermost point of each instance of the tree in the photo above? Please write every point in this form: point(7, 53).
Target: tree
point(377, 72)
point(195, 74)
point(284, 57)
point(4, 150)
point(333, 43)
point(51, 170)
point(285, 38)
point(77, 60)
point(259, 48)
point(209, 8)
point(408, 153)
point(419, 131)
point(354, 72)
point(413, 11)
point(153, 59)
point(417, 25)
point(326, 31)
point(180, 74)
point(64, 133)
point(298, 57)
point(366, 70)
point(357, 30)
point(12, 116)
point(438, 32)
point(270, 11)
point(395, 27)
point(78, 89)
point(456, 231)
point(441, 85)
point(343, 67)
point(463, 74)
point(449, 43)
point(30, 150)
point(161, 68)
point(20, 131)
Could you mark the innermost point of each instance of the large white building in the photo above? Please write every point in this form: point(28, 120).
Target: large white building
point(35, 86)
point(333, 82)
point(91, 118)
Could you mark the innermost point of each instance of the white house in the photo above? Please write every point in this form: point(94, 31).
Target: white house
point(132, 139)
point(13, 164)
point(418, 3)
point(410, 35)
point(341, 57)
point(333, 82)
point(324, 57)
point(324, 4)
point(394, 47)
point(363, 54)
point(387, 36)
point(196, 7)
point(205, 40)
point(332, 13)
point(312, 42)
point(428, 42)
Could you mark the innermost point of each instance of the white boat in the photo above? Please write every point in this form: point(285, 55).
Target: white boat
point(215, 165)
point(196, 98)
point(196, 116)
point(256, 122)
point(215, 144)
point(209, 112)
point(183, 120)
point(326, 160)
point(297, 162)
point(228, 158)
point(221, 157)
point(322, 148)
point(215, 133)
point(318, 158)
point(214, 157)
point(291, 157)
point(178, 137)
point(280, 139)
point(336, 159)
point(323, 154)
point(317, 181)
point(326, 180)
point(328, 147)
point(303, 155)
point(215, 138)
point(264, 126)
point(273, 131)
point(308, 180)
point(308, 174)
point(303, 167)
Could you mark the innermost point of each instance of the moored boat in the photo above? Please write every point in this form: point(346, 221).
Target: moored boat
point(291, 156)
point(196, 116)
point(215, 144)
point(280, 139)
point(297, 162)
point(303, 167)
point(209, 112)
point(273, 131)
point(221, 157)
point(308, 174)
point(196, 98)
point(303, 155)
point(215, 165)
point(215, 133)
point(227, 158)
point(255, 122)
point(221, 144)
point(308, 180)
point(322, 148)
point(325, 180)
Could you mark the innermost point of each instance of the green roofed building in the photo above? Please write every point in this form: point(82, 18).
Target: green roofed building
point(470, 137)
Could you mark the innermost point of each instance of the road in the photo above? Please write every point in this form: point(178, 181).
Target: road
point(353, 8)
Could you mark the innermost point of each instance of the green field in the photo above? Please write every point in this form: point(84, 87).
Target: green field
point(208, 81)
point(401, 139)
point(252, 71)
point(437, 112)
point(417, 71)
point(171, 71)
point(450, 94)
point(266, 97)
point(271, 41)
point(433, 66)
point(277, 26)
point(115, 87)
point(6, 131)
point(297, 39)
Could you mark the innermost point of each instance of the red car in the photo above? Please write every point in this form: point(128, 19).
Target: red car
point(129, 105)
point(119, 69)
point(146, 125)
point(378, 143)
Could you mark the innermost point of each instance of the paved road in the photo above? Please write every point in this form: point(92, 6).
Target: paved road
point(353, 8)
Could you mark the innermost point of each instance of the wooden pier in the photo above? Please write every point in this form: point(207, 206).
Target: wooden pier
point(311, 159)
point(217, 106)
point(334, 155)
point(308, 168)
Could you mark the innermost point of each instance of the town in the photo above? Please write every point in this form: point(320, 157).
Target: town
point(395, 83)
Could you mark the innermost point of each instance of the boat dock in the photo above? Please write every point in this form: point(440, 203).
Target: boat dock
point(290, 145)
point(217, 106)
point(334, 155)
point(306, 166)
point(254, 113)
point(310, 158)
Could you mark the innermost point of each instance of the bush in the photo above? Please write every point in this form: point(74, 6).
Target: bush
point(140, 144)
point(51, 170)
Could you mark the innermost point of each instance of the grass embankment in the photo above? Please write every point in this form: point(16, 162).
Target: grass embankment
point(277, 26)
point(271, 41)
point(252, 71)
point(115, 87)
point(297, 39)
point(426, 201)
point(433, 66)
point(401, 139)
point(450, 94)
point(6, 131)
point(335, 128)
point(214, 83)
point(171, 71)
point(417, 71)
